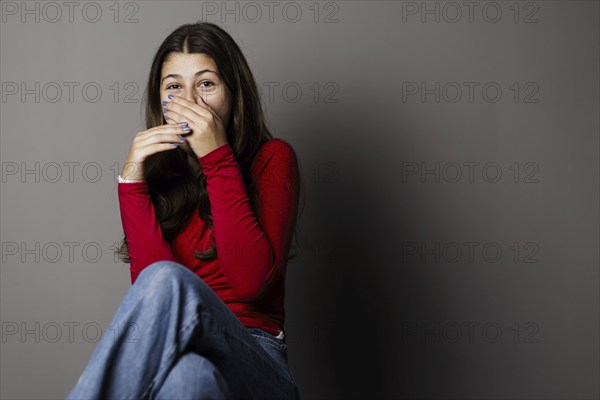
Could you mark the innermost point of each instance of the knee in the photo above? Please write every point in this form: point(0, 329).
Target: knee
point(163, 281)
point(161, 272)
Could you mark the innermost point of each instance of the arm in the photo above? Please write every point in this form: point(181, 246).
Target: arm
point(144, 236)
point(251, 258)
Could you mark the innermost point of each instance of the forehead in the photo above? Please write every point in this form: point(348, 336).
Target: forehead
point(187, 64)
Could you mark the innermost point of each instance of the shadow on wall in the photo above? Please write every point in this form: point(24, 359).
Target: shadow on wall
point(350, 351)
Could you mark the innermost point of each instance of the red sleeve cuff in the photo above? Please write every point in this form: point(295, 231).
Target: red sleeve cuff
point(215, 155)
point(133, 187)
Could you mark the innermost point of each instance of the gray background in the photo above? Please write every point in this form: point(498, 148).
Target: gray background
point(366, 316)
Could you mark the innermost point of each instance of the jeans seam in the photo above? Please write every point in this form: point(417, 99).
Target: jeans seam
point(186, 326)
point(287, 377)
point(279, 345)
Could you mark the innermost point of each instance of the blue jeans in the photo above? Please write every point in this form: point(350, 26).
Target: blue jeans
point(174, 338)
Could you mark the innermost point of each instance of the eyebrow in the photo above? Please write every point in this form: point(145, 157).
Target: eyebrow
point(195, 75)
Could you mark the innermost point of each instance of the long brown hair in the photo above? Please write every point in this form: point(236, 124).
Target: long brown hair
point(176, 184)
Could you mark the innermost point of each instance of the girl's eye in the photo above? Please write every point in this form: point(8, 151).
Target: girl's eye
point(205, 87)
point(209, 82)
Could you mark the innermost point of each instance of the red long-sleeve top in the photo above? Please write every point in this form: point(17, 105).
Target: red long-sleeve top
point(249, 271)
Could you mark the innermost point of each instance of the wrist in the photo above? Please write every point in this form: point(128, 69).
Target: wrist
point(128, 180)
point(203, 146)
point(215, 154)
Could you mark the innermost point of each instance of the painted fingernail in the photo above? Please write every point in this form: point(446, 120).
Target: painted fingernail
point(186, 128)
point(175, 144)
point(182, 138)
point(165, 110)
point(170, 97)
point(164, 103)
point(183, 123)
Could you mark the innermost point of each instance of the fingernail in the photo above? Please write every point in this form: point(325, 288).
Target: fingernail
point(182, 138)
point(165, 110)
point(170, 97)
point(183, 123)
point(186, 128)
point(164, 103)
point(175, 144)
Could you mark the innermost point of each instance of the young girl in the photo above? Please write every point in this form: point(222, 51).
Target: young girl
point(209, 203)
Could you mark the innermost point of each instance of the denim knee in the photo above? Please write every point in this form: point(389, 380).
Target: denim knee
point(167, 268)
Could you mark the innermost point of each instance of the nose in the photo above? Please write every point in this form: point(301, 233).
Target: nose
point(190, 95)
